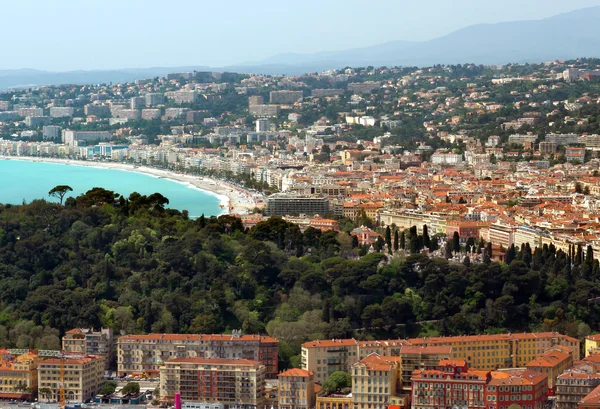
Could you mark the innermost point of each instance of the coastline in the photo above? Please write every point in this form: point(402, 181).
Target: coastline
point(232, 199)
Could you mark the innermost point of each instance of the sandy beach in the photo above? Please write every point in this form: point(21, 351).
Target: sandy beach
point(233, 200)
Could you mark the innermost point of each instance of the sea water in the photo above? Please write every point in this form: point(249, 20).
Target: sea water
point(26, 181)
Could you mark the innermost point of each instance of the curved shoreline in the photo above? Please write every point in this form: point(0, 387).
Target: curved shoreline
point(232, 200)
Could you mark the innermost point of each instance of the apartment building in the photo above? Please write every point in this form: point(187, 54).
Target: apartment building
point(61, 112)
point(466, 388)
point(138, 354)
point(18, 375)
point(97, 110)
point(154, 99)
point(502, 234)
point(563, 139)
point(454, 384)
point(86, 341)
point(285, 97)
point(522, 387)
point(72, 138)
point(573, 385)
point(82, 377)
point(234, 383)
point(590, 401)
point(52, 132)
point(374, 381)
point(30, 111)
point(328, 356)
point(573, 153)
point(282, 204)
point(334, 401)
point(553, 362)
point(296, 389)
point(256, 100)
point(264, 110)
point(592, 344)
point(489, 352)
point(486, 352)
point(413, 358)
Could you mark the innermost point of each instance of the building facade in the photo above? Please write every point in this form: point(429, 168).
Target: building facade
point(374, 381)
point(282, 204)
point(455, 385)
point(82, 377)
point(86, 341)
point(296, 389)
point(19, 375)
point(139, 354)
point(234, 383)
point(486, 352)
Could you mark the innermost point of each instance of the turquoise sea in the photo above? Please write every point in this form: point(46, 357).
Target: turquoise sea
point(22, 180)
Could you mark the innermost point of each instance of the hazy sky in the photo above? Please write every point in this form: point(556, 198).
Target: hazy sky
point(99, 34)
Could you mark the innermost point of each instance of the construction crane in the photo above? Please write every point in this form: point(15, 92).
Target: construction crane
point(61, 401)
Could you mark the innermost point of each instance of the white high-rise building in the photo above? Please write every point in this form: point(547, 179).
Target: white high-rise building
point(262, 125)
point(51, 132)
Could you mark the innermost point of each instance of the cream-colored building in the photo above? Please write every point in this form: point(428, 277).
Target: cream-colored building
point(139, 354)
point(82, 377)
point(18, 375)
point(296, 389)
point(485, 352)
point(234, 383)
point(86, 341)
point(490, 352)
point(334, 401)
point(552, 363)
point(374, 381)
point(592, 344)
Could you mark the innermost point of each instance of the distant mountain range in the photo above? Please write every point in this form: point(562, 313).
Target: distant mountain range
point(565, 36)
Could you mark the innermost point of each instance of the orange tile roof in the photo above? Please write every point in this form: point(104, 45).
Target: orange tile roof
point(517, 377)
point(374, 362)
point(70, 361)
point(197, 337)
point(329, 343)
point(297, 372)
point(494, 337)
point(593, 398)
point(549, 359)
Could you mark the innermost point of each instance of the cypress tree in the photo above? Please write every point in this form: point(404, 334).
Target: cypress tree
point(579, 255)
point(426, 239)
point(388, 237)
point(456, 242)
point(402, 241)
point(589, 256)
point(396, 240)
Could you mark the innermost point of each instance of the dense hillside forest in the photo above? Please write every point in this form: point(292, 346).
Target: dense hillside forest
point(138, 267)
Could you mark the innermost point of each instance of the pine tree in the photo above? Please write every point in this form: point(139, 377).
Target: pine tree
point(326, 316)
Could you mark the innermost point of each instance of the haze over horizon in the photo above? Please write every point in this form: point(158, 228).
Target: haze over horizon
point(67, 35)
